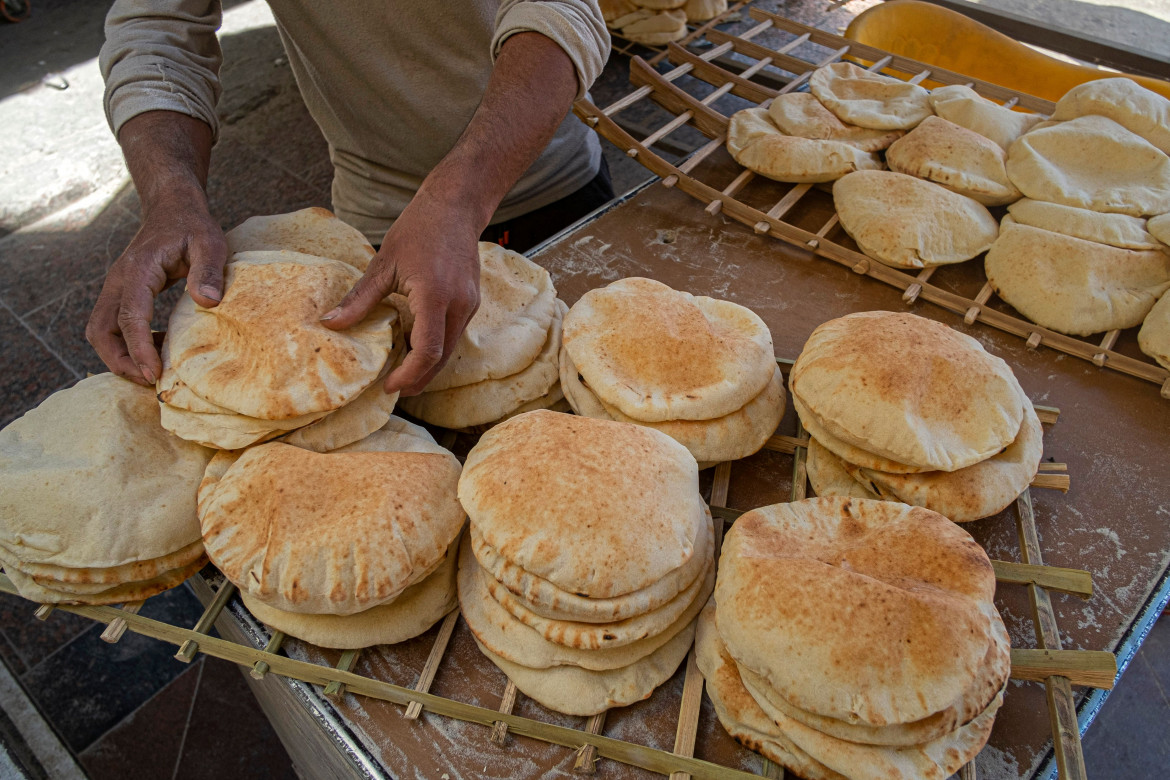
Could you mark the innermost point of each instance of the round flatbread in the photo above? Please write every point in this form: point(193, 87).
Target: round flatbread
point(1159, 228)
point(1119, 230)
point(792, 577)
point(653, 28)
point(1074, 286)
point(956, 158)
point(965, 107)
point(908, 389)
point(530, 487)
point(89, 479)
point(123, 593)
point(658, 354)
point(263, 352)
point(758, 145)
point(867, 99)
point(828, 476)
point(1154, 337)
point(312, 231)
point(906, 222)
point(1137, 109)
point(97, 579)
point(847, 452)
point(1091, 162)
point(801, 114)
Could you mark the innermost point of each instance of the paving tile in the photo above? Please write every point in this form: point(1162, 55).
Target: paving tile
point(42, 262)
point(228, 735)
point(149, 741)
point(9, 657)
point(34, 640)
point(30, 373)
point(89, 686)
point(283, 132)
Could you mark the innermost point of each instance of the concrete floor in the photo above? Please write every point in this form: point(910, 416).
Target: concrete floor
point(67, 209)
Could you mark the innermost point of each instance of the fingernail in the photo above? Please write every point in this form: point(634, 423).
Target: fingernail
point(148, 374)
point(332, 314)
point(207, 291)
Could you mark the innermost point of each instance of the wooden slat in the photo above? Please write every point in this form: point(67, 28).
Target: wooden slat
point(1074, 581)
point(427, 676)
point(713, 74)
point(688, 714)
point(585, 761)
point(1092, 668)
point(189, 648)
point(708, 121)
point(117, 628)
point(260, 669)
point(507, 702)
point(346, 663)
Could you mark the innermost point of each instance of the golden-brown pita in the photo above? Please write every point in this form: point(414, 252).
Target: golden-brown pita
point(801, 114)
point(867, 99)
point(955, 157)
point(312, 231)
point(755, 142)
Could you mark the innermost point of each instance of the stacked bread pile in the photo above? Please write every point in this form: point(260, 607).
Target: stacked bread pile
point(345, 549)
point(855, 639)
point(589, 555)
point(657, 22)
point(505, 362)
point(1078, 256)
point(698, 369)
point(906, 409)
point(97, 501)
point(261, 363)
point(1154, 337)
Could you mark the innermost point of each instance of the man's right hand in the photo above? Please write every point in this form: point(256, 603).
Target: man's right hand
point(177, 240)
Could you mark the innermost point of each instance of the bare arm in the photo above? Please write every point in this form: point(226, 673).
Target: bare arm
point(167, 154)
point(431, 254)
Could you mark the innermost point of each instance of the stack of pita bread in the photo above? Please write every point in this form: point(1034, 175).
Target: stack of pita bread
point(855, 639)
point(1078, 256)
point(345, 549)
point(657, 22)
point(698, 369)
point(1154, 337)
point(505, 362)
point(906, 409)
point(261, 364)
point(97, 501)
point(589, 555)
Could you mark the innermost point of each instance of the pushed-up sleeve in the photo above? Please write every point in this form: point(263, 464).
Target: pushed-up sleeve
point(162, 55)
point(575, 25)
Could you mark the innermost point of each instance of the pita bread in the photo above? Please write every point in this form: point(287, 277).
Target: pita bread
point(545, 599)
point(118, 594)
point(600, 636)
point(263, 351)
point(222, 431)
point(657, 354)
point(739, 713)
point(955, 157)
point(90, 480)
point(653, 28)
point(1154, 337)
point(791, 577)
point(496, 630)
point(1119, 230)
point(1074, 286)
point(731, 437)
point(312, 231)
point(493, 399)
point(828, 476)
point(965, 107)
point(910, 223)
point(530, 482)
point(517, 305)
point(1137, 109)
point(847, 452)
point(1091, 162)
point(994, 672)
point(303, 532)
point(908, 389)
point(757, 144)
point(703, 10)
point(97, 579)
point(869, 99)
point(972, 493)
point(576, 691)
point(612, 10)
point(801, 114)
point(1159, 228)
point(417, 609)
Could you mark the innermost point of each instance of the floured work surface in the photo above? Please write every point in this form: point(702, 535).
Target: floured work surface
point(1113, 433)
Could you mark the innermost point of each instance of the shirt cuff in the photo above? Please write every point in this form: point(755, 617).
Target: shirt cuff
point(572, 25)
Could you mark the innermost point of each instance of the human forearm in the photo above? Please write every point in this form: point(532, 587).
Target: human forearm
point(168, 155)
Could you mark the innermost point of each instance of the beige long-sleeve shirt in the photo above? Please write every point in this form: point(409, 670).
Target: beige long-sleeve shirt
point(392, 84)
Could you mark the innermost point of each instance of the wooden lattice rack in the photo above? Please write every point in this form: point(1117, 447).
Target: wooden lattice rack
point(793, 63)
point(1058, 669)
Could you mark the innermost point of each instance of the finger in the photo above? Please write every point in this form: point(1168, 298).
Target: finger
point(104, 336)
point(358, 302)
point(134, 313)
point(427, 350)
point(206, 256)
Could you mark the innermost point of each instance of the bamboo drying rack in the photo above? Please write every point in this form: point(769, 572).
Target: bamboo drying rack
point(785, 63)
point(1056, 668)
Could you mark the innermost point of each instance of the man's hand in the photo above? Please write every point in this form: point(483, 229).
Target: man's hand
point(176, 241)
point(433, 260)
point(167, 154)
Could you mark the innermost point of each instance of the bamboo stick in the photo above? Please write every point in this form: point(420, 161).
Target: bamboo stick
point(500, 728)
point(427, 676)
point(1074, 581)
point(346, 664)
point(800, 465)
point(688, 716)
point(43, 612)
point(117, 627)
point(1092, 668)
point(1059, 482)
point(967, 771)
point(586, 758)
point(189, 648)
point(720, 484)
point(911, 294)
point(260, 668)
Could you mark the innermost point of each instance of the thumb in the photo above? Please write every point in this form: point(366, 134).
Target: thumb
point(206, 256)
point(357, 303)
